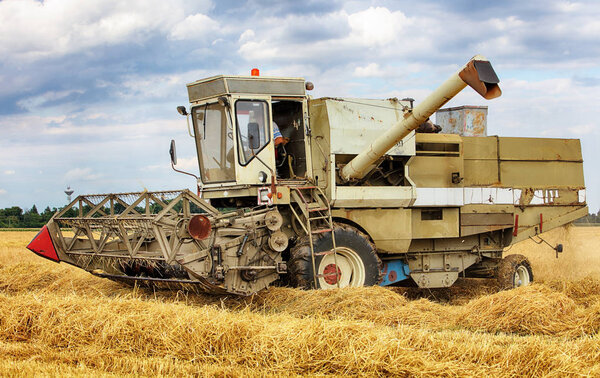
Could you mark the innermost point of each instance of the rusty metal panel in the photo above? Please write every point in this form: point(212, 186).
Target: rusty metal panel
point(485, 219)
point(266, 86)
point(545, 149)
point(541, 174)
point(435, 171)
point(447, 227)
point(209, 88)
point(473, 230)
point(463, 120)
point(355, 123)
point(373, 196)
point(487, 208)
point(390, 228)
point(220, 85)
point(480, 148)
point(480, 172)
point(476, 223)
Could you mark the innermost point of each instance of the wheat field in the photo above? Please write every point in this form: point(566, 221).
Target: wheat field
point(56, 320)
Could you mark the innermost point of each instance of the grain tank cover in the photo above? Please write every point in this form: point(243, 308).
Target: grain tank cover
point(354, 123)
point(463, 120)
point(222, 85)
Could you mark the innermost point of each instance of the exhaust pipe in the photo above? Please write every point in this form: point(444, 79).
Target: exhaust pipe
point(477, 73)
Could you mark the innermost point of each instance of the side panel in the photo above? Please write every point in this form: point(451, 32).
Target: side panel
point(435, 223)
point(480, 161)
point(391, 229)
point(541, 174)
point(540, 163)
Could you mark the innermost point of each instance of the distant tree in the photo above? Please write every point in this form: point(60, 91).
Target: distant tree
point(14, 211)
point(590, 218)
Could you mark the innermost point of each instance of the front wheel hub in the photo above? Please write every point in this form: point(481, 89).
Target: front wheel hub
point(343, 269)
point(331, 274)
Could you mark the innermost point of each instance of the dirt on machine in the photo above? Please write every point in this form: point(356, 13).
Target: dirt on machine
point(330, 192)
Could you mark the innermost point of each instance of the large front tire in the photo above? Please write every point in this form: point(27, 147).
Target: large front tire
point(357, 261)
point(514, 271)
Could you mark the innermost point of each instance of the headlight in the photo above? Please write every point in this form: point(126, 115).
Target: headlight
point(262, 176)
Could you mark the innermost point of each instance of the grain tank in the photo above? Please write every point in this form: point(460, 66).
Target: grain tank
point(326, 193)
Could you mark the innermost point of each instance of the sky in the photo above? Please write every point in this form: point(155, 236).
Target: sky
point(89, 89)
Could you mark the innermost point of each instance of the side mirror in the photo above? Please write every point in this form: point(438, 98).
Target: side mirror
point(181, 110)
point(173, 153)
point(253, 135)
point(559, 248)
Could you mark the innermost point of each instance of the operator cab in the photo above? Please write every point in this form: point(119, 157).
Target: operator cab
point(248, 129)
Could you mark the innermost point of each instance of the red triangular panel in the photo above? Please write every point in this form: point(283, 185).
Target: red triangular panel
point(43, 246)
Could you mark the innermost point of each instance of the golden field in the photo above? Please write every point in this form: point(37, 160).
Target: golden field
point(56, 320)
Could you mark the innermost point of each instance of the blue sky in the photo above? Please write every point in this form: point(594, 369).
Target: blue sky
point(88, 90)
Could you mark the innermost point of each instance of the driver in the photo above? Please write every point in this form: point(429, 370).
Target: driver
point(277, 137)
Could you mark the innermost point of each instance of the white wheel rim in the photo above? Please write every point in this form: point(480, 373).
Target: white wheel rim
point(350, 267)
point(521, 276)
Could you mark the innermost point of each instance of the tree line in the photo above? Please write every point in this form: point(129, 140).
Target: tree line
point(590, 218)
point(15, 217)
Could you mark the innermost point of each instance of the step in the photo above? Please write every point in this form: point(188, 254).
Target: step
point(324, 253)
point(313, 209)
point(332, 274)
point(319, 217)
point(321, 230)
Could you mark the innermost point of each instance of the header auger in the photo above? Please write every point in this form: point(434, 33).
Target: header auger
point(327, 193)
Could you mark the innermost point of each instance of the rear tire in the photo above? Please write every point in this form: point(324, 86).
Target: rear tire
point(357, 262)
point(514, 271)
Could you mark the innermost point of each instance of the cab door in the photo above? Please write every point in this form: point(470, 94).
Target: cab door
point(254, 152)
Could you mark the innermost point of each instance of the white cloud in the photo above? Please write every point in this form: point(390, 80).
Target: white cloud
point(584, 129)
point(567, 6)
point(9, 172)
point(196, 26)
point(370, 70)
point(261, 50)
point(156, 85)
point(2, 191)
point(31, 103)
point(377, 26)
point(247, 35)
point(81, 174)
point(188, 164)
point(31, 29)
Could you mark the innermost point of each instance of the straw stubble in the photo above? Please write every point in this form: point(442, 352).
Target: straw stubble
point(57, 320)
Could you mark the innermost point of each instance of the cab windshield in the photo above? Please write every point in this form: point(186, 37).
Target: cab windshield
point(214, 141)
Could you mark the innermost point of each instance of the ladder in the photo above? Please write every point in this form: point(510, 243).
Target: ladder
point(315, 219)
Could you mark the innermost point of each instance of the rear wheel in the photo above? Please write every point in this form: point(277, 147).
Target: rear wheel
point(355, 264)
point(514, 271)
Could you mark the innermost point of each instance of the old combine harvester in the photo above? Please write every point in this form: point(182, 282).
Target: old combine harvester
point(328, 192)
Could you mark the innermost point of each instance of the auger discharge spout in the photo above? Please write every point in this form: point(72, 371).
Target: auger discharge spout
point(477, 73)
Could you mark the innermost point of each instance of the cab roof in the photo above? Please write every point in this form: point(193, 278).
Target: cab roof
point(263, 85)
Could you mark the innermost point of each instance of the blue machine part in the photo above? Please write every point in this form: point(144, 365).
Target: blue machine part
point(394, 271)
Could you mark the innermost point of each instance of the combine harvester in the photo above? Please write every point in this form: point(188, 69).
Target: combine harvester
point(330, 192)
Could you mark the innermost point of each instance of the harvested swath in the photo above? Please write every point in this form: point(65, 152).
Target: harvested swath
point(461, 292)
point(534, 309)
point(118, 335)
point(585, 291)
point(375, 304)
point(55, 278)
point(62, 279)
